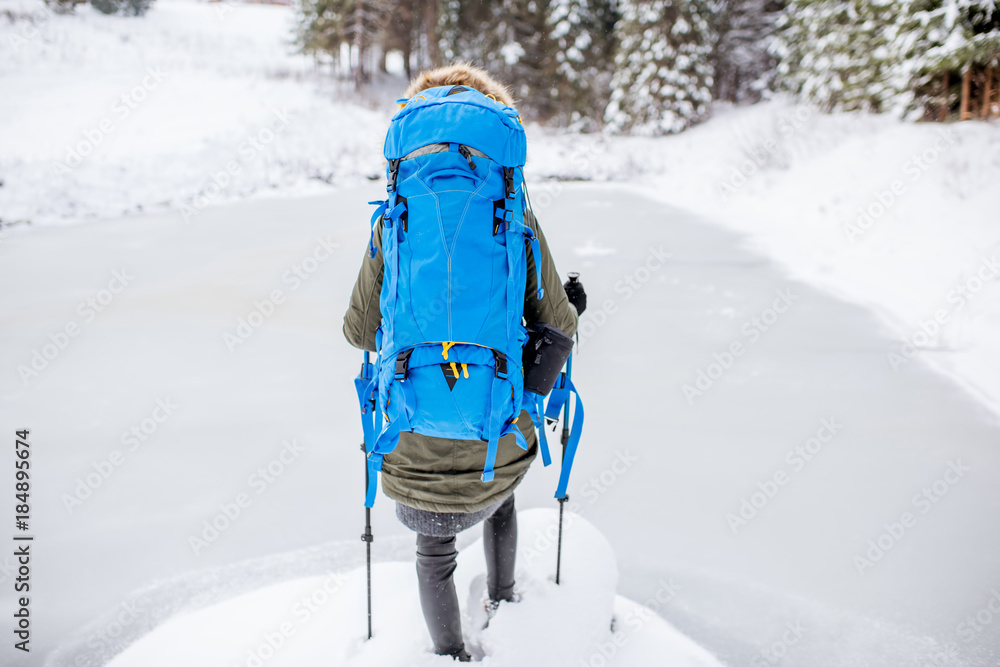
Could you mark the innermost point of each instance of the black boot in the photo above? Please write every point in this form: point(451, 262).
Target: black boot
point(500, 544)
point(435, 565)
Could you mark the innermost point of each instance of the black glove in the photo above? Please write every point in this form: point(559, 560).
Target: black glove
point(575, 293)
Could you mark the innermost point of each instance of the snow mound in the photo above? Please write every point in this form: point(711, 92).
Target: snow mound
point(321, 620)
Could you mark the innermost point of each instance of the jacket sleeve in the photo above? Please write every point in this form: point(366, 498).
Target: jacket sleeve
point(553, 308)
point(363, 315)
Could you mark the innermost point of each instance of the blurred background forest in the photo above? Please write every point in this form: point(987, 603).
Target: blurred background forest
point(653, 67)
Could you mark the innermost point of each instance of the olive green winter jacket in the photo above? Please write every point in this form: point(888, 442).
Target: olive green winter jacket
point(440, 474)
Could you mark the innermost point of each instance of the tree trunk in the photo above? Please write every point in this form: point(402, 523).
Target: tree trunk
point(988, 94)
point(359, 44)
point(966, 85)
point(431, 32)
point(943, 110)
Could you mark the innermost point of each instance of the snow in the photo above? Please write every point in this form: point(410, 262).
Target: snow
point(145, 114)
point(899, 217)
point(322, 620)
point(658, 474)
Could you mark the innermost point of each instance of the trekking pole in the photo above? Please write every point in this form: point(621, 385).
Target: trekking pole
point(367, 537)
point(564, 440)
point(573, 277)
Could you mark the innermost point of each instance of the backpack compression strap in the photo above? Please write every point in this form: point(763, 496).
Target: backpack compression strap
point(557, 399)
point(366, 384)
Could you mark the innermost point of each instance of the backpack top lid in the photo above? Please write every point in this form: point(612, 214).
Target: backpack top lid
point(461, 115)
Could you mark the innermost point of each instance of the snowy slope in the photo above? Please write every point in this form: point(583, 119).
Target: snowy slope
point(194, 104)
point(900, 217)
point(321, 620)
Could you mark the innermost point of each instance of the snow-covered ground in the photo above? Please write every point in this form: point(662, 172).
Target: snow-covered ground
point(900, 217)
point(315, 621)
point(807, 438)
point(195, 104)
point(246, 164)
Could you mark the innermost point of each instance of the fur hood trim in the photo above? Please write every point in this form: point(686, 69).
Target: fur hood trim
point(461, 74)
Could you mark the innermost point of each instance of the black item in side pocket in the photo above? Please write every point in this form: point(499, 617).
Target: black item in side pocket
point(545, 353)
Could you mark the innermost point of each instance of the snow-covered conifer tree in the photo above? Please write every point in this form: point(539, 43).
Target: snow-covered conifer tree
point(663, 72)
point(843, 54)
point(580, 64)
point(743, 65)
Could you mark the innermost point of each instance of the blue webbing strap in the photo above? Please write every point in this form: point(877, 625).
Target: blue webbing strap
point(394, 209)
point(557, 399)
point(404, 394)
point(374, 467)
point(366, 384)
point(537, 254)
point(543, 441)
point(574, 439)
point(384, 443)
point(382, 205)
point(401, 394)
point(493, 435)
point(519, 440)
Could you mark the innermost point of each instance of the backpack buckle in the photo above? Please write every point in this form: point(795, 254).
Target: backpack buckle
point(508, 182)
point(500, 361)
point(391, 175)
point(402, 364)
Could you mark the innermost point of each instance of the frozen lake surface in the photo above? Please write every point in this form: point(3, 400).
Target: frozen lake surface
point(806, 500)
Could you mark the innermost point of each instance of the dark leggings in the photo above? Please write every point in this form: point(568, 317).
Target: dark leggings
point(436, 564)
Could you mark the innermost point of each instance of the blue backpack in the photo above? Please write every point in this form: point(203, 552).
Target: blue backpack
point(454, 246)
